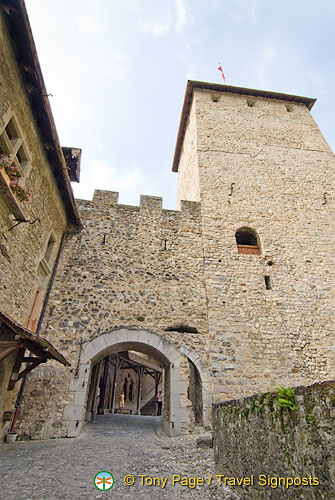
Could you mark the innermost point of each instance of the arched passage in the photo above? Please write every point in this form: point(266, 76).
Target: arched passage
point(144, 341)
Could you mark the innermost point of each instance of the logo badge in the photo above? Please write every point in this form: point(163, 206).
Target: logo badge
point(104, 480)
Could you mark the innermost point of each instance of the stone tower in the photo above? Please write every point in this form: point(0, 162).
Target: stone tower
point(264, 176)
point(230, 295)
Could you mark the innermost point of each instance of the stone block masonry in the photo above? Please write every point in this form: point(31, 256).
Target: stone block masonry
point(262, 164)
point(256, 438)
point(135, 267)
point(230, 323)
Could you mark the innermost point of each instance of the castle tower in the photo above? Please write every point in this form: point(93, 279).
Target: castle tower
point(231, 295)
point(263, 174)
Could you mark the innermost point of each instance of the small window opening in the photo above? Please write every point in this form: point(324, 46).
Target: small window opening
point(181, 328)
point(22, 157)
point(289, 108)
point(267, 282)
point(251, 101)
point(105, 239)
point(164, 245)
point(3, 146)
point(11, 131)
point(215, 97)
point(247, 242)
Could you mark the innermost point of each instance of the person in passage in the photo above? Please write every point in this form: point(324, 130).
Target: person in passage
point(121, 401)
point(159, 403)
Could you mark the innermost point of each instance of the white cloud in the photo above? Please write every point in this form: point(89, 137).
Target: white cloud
point(128, 182)
point(239, 10)
point(120, 56)
point(181, 15)
point(158, 27)
point(265, 66)
point(89, 26)
point(316, 79)
point(270, 53)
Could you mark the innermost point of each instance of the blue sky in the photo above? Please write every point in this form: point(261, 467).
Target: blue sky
point(117, 71)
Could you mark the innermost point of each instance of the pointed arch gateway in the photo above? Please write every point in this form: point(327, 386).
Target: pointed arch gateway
point(168, 354)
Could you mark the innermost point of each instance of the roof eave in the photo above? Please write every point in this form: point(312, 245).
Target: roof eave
point(28, 63)
point(27, 335)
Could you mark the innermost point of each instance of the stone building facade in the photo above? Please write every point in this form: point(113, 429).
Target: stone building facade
point(232, 294)
point(31, 231)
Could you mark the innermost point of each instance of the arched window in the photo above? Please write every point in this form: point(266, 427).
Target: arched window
point(125, 385)
point(247, 241)
point(131, 390)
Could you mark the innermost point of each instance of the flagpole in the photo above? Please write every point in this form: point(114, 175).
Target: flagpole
point(222, 74)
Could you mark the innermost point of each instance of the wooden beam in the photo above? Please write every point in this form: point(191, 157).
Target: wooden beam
point(140, 370)
point(30, 346)
point(33, 365)
point(158, 376)
point(103, 387)
point(31, 359)
point(118, 365)
point(16, 369)
point(91, 394)
point(95, 390)
point(8, 343)
point(8, 352)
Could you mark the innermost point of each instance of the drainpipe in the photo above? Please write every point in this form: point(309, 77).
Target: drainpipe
point(18, 405)
point(45, 303)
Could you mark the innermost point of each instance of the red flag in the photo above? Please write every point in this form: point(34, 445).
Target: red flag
point(220, 69)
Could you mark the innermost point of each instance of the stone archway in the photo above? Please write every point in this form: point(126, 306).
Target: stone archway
point(169, 354)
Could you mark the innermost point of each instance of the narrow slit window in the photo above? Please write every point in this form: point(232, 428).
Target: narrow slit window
point(105, 239)
point(267, 280)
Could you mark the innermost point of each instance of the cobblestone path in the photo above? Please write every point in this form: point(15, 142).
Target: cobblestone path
point(121, 444)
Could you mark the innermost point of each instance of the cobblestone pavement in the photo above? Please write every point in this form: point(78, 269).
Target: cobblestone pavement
point(64, 469)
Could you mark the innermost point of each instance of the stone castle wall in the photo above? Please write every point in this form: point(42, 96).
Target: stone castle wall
point(256, 438)
point(265, 167)
point(260, 164)
point(22, 248)
point(135, 267)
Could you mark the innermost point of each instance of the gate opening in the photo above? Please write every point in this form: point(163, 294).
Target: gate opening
point(195, 394)
point(125, 382)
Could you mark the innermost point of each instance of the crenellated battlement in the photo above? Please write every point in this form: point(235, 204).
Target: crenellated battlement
point(149, 205)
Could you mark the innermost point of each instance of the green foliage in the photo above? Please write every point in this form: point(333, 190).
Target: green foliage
point(260, 398)
point(287, 456)
point(269, 402)
point(260, 403)
point(245, 413)
point(310, 418)
point(252, 405)
point(286, 398)
point(281, 416)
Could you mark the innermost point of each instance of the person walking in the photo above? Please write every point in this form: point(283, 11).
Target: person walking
point(121, 401)
point(159, 403)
